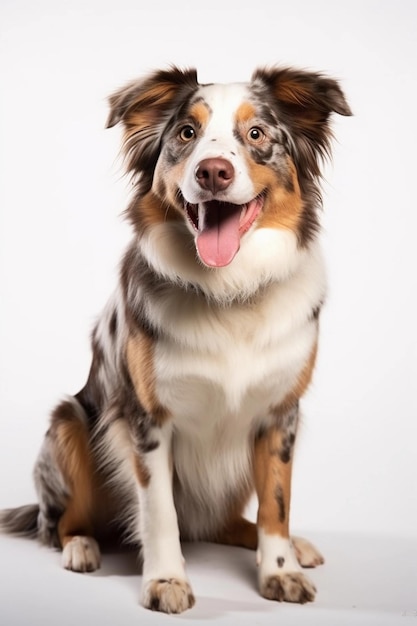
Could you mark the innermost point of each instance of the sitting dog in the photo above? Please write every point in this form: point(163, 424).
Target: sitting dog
point(203, 352)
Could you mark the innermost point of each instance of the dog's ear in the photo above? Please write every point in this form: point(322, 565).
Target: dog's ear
point(306, 95)
point(304, 102)
point(145, 107)
point(152, 96)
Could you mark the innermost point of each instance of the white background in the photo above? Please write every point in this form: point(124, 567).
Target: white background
point(62, 194)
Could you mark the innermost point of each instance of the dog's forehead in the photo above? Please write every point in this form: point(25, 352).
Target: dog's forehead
point(223, 101)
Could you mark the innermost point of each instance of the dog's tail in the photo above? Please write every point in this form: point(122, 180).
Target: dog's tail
point(22, 521)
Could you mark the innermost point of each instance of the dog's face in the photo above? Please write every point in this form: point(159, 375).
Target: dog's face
point(221, 162)
point(229, 159)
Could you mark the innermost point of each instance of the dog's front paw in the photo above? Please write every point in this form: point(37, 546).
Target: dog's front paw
point(290, 587)
point(169, 596)
point(81, 554)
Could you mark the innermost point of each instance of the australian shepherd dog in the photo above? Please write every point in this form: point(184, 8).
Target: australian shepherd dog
point(202, 354)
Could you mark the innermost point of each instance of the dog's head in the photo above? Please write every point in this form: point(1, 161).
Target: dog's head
point(227, 160)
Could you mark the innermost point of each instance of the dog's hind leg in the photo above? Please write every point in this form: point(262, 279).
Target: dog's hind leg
point(65, 480)
point(239, 532)
point(307, 554)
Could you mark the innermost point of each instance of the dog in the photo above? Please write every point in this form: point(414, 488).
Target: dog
point(202, 354)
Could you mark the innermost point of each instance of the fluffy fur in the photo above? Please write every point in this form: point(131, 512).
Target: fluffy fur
point(202, 354)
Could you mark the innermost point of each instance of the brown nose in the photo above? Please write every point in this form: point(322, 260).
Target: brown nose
point(214, 174)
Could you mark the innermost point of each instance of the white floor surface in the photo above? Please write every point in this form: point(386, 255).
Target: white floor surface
point(365, 581)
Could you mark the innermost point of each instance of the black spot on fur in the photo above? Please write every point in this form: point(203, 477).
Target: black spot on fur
point(53, 512)
point(280, 561)
point(285, 452)
point(315, 313)
point(113, 324)
point(261, 432)
point(154, 606)
point(142, 426)
point(279, 497)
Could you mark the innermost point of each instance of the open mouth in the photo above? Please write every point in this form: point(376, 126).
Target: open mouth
point(220, 226)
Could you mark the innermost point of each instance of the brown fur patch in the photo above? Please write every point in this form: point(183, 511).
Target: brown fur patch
point(239, 532)
point(273, 471)
point(166, 183)
point(291, 91)
point(139, 120)
point(145, 108)
point(74, 460)
point(141, 471)
point(139, 353)
point(283, 208)
point(200, 113)
point(245, 112)
point(150, 210)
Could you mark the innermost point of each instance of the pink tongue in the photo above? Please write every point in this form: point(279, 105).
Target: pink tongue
point(219, 241)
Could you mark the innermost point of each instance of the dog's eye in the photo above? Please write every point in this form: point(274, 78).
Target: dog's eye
point(256, 135)
point(187, 133)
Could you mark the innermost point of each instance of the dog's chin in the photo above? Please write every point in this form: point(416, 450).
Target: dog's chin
point(219, 227)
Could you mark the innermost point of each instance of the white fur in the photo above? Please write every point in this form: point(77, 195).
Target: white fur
point(158, 526)
point(81, 554)
point(270, 548)
point(265, 255)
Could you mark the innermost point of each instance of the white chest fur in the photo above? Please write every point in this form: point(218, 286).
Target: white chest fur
point(242, 377)
point(219, 360)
